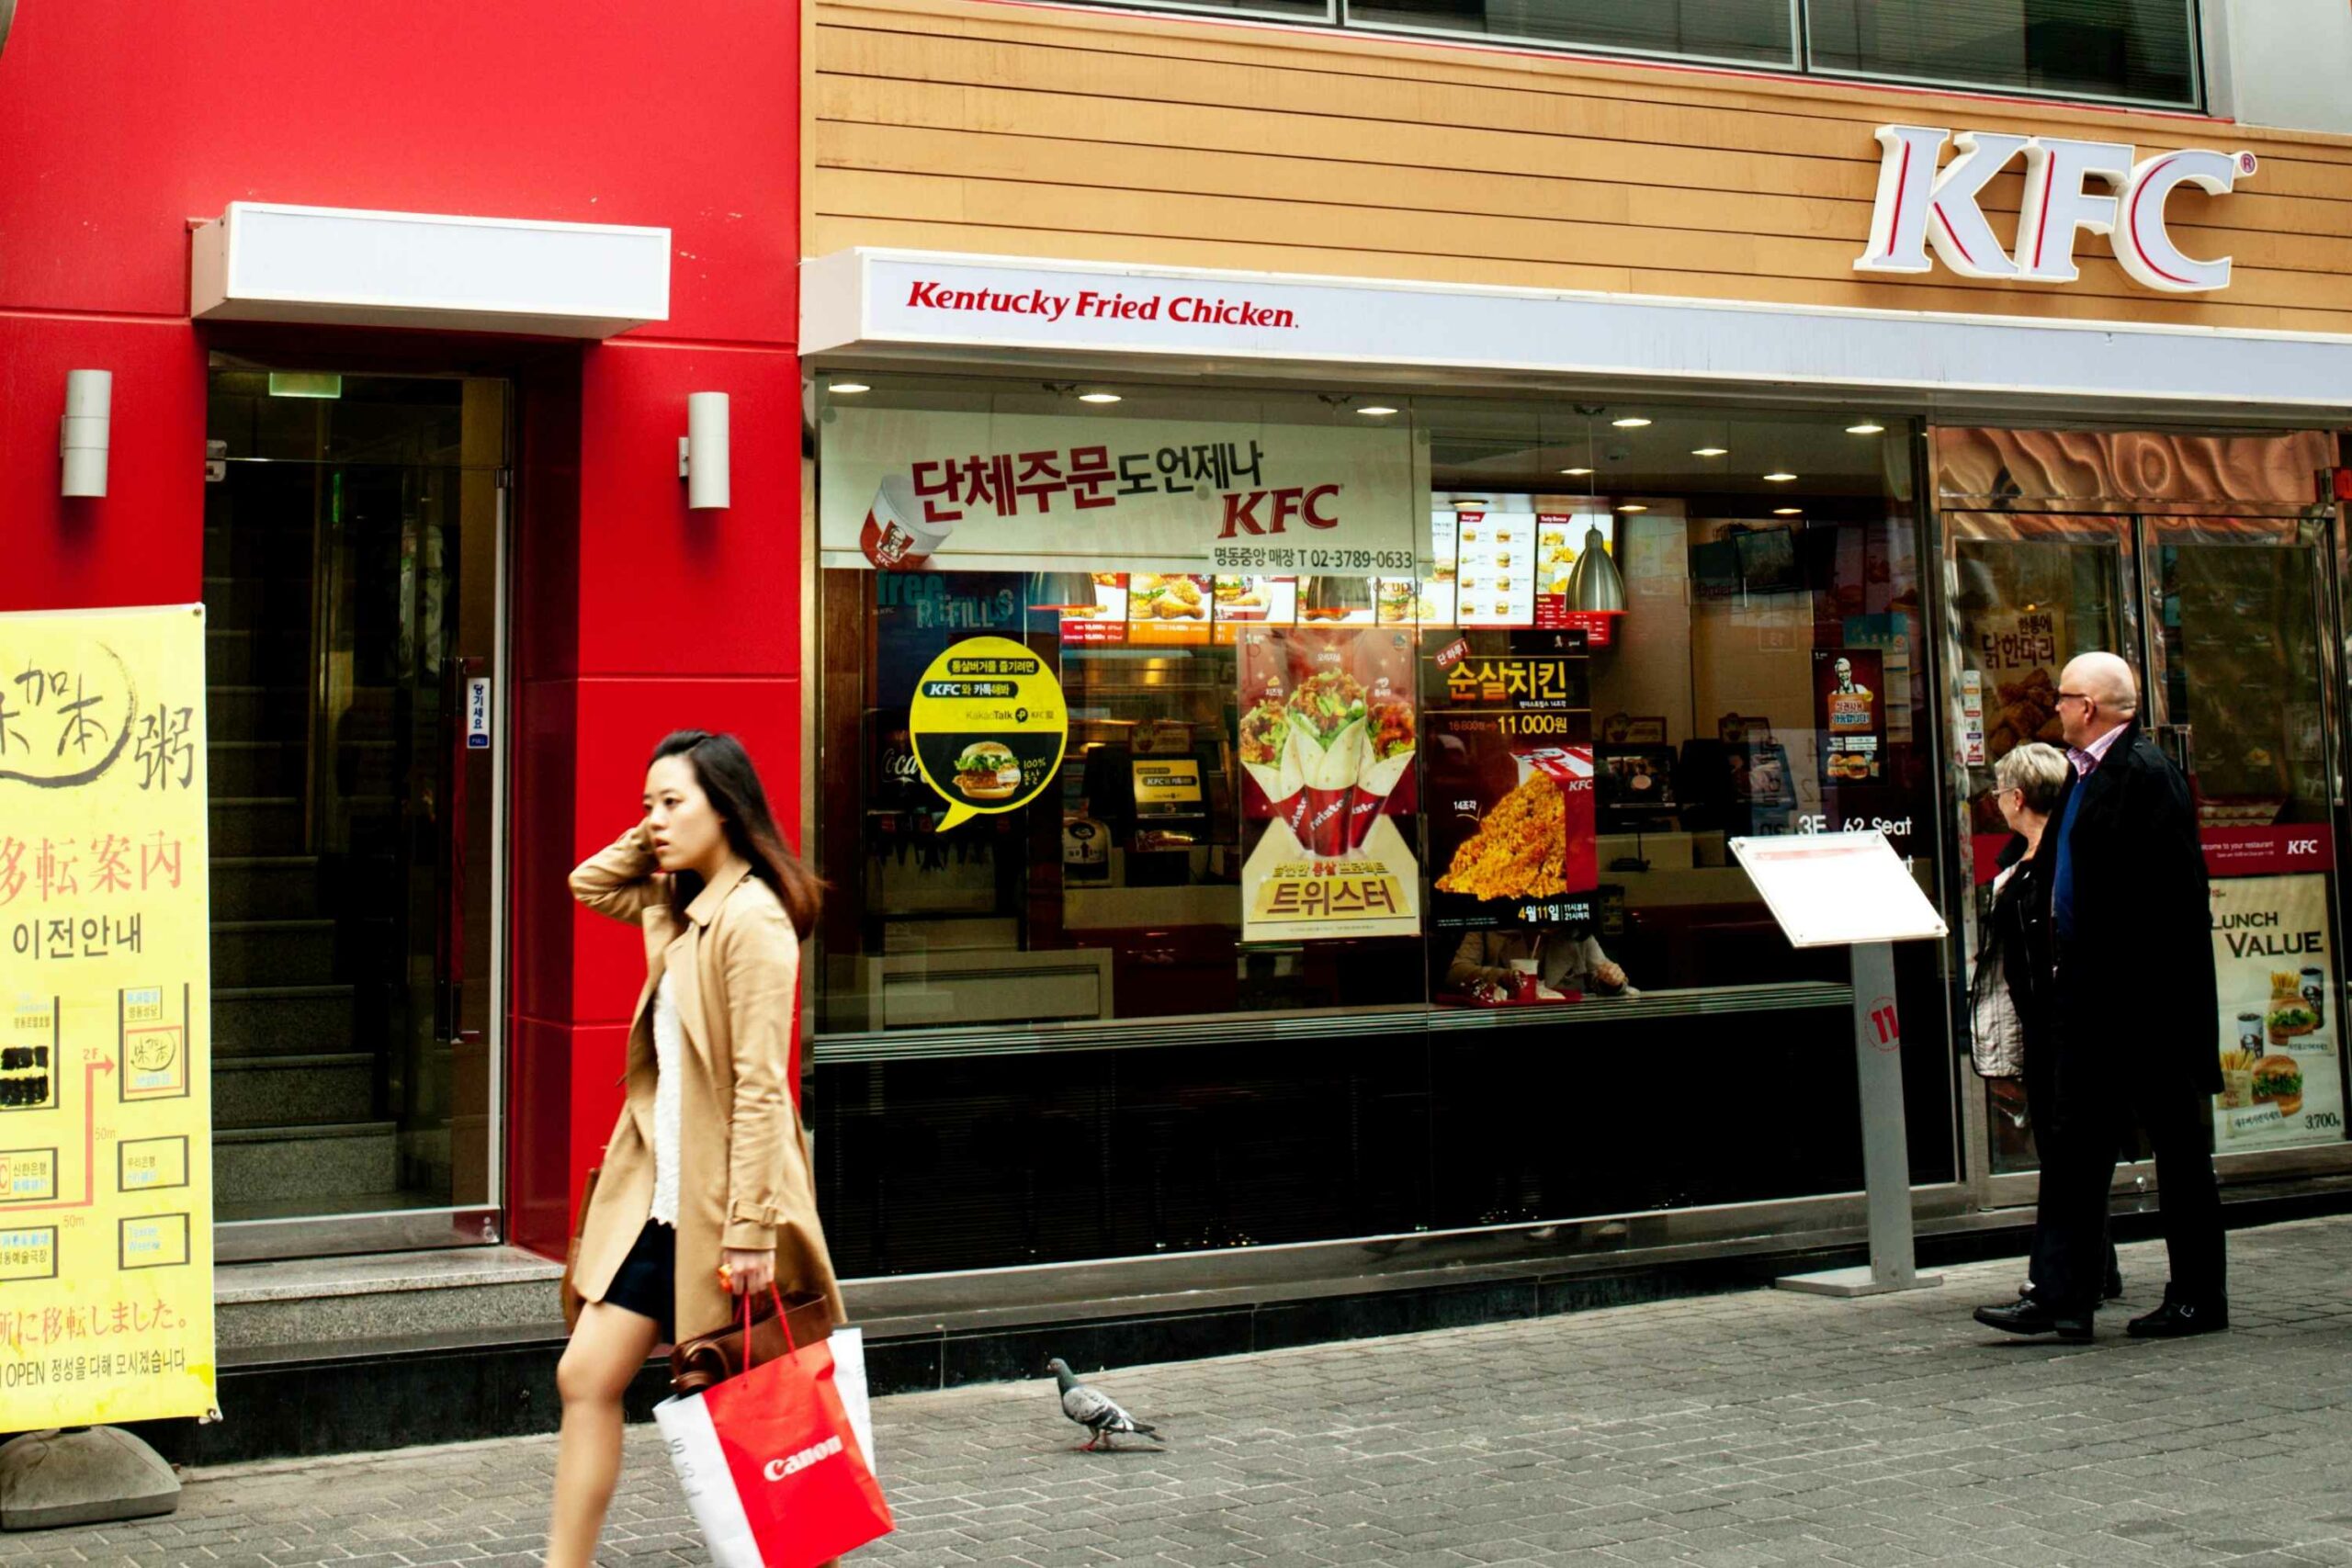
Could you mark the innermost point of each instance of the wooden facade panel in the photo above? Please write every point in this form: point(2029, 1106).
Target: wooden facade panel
point(1018, 204)
point(1441, 194)
point(1119, 137)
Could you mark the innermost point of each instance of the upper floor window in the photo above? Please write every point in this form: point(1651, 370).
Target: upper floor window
point(2120, 50)
point(2141, 51)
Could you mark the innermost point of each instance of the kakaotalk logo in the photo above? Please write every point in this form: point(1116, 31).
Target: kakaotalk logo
point(1185, 309)
point(1919, 206)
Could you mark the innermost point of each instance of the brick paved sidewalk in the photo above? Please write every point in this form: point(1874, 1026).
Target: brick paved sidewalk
point(1730, 1432)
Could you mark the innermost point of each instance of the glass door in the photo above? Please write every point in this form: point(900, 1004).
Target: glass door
point(353, 551)
point(2230, 622)
point(2026, 593)
point(2240, 611)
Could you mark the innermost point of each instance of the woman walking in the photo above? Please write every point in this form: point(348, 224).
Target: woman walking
point(706, 1193)
point(2013, 1013)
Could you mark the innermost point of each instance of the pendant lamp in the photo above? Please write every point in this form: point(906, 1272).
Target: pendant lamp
point(1593, 582)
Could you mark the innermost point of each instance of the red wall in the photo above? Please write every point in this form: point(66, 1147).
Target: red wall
point(124, 119)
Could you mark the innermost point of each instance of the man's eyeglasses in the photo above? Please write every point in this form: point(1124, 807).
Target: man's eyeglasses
point(2081, 697)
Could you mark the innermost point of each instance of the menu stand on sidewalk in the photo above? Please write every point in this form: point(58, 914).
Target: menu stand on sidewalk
point(1850, 890)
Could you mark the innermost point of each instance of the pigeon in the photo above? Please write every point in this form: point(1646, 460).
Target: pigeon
point(1096, 1411)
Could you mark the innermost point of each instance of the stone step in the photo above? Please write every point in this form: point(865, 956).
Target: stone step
point(293, 1091)
point(487, 1292)
point(258, 713)
point(256, 767)
point(258, 824)
point(262, 887)
point(235, 656)
point(281, 1020)
point(232, 603)
point(278, 952)
point(327, 1160)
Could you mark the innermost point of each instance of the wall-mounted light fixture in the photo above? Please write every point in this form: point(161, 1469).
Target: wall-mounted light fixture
point(702, 452)
point(86, 432)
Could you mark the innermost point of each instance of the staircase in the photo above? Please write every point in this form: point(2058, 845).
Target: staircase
point(297, 1092)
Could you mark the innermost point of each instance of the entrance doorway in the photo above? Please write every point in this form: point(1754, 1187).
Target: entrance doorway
point(2231, 620)
point(353, 573)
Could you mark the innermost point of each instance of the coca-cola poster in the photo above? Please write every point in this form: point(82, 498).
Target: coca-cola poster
point(906, 489)
point(1328, 737)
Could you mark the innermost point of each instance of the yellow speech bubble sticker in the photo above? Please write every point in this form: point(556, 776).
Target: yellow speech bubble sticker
point(990, 726)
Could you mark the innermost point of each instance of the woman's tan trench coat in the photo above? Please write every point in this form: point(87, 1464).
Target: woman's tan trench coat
point(743, 1176)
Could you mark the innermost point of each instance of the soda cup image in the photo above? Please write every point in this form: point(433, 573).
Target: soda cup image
point(896, 536)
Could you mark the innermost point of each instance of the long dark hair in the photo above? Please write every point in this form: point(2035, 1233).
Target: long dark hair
point(725, 772)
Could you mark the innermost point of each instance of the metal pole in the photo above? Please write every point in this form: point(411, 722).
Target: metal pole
point(1886, 1157)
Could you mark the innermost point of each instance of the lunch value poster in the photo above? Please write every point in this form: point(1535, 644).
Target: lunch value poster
point(105, 1112)
point(1328, 736)
point(2273, 952)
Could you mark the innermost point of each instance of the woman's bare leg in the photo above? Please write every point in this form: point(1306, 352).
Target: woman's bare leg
point(606, 1349)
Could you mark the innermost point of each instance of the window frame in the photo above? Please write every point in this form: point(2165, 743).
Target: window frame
point(1794, 66)
point(2195, 104)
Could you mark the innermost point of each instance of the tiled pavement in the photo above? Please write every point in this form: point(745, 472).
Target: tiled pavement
point(1730, 1432)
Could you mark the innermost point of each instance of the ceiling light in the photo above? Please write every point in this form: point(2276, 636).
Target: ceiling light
point(1578, 473)
point(1709, 451)
point(1098, 396)
point(1779, 477)
point(1788, 512)
point(1375, 411)
point(1631, 422)
point(1633, 506)
point(848, 389)
point(1866, 428)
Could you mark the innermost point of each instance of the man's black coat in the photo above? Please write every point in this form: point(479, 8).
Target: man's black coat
point(2136, 991)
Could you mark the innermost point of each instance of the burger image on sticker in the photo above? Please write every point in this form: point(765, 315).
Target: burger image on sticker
point(987, 770)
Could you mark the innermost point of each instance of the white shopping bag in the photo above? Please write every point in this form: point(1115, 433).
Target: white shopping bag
point(701, 1465)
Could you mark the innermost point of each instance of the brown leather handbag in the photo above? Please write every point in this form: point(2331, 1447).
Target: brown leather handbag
point(572, 1300)
point(712, 1357)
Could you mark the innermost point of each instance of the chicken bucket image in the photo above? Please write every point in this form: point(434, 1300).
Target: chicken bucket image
point(896, 536)
point(1389, 743)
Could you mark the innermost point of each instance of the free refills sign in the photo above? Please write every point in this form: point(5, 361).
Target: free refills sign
point(2071, 187)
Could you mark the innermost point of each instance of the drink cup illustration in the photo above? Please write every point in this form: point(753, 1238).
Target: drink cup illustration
point(896, 536)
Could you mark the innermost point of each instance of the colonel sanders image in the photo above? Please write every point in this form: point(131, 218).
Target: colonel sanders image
point(1844, 671)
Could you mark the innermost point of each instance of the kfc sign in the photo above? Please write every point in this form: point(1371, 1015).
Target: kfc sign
point(1920, 205)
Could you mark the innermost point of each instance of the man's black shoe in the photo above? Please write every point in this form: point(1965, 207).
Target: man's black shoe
point(2111, 1288)
point(2178, 1319)
point(2027, 1315)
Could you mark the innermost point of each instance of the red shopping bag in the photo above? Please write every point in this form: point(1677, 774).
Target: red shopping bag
point(798, 1473)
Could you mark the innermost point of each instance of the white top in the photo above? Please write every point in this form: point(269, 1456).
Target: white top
point(669, 1043)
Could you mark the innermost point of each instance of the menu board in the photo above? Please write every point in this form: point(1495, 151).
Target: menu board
point(2282, 1082)
point(1834, 889)
point(1495, 568)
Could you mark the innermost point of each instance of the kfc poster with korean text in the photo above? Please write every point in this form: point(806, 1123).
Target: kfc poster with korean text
point(1849, 709)
point(1510, 781)
point(1328, 737)
point(909, 490)
point(2282, 1084)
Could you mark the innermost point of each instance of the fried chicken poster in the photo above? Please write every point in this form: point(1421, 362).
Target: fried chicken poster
point(1510, 784)
point(1328, 736)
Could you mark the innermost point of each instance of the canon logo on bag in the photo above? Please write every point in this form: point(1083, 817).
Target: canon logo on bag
point(1919, 206)
point(778, 1469)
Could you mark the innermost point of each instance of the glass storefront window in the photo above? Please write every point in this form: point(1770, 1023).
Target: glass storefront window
point(1402, 769)
point(2143, 50)
point(1323, 802)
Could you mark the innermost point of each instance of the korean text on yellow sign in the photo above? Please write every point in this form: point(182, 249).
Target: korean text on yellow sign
point(106, 1155)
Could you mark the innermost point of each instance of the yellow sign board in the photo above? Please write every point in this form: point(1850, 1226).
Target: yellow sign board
point(106, 1006)
point(989, 727)
point(1166, 785)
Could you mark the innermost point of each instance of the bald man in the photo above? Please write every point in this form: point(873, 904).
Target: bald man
point(2137, 1019)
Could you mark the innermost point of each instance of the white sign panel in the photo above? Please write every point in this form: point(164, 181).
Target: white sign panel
point(1836, 889)
point(477, 715)
point(908, 489)
point(1920, 205)
point(915, 305)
